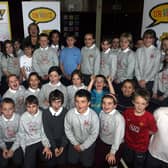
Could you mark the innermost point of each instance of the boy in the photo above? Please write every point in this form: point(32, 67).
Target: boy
point(90, 61)
point(70, 59)
point(15, 92)
point(9, 141)
point(139, 125)
point(33, 139)
point(53, 120)
point(108, 65)
point(26, 62)
point(44, 58)
point(81, 128)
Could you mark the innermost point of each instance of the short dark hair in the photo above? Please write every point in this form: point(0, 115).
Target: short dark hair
point(77, 72)
point(144, 93)
point(129, 81)
point(8, 100)
point(27, 45)
point(71, 34)
point(56, 95)
point(31, 100)
point(83, 93)
point(34, 74)
point(56, 69)
point(43, 35)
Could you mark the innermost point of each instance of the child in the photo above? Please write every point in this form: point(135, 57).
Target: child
point(125, 98)
point(70, 59)
point(34, 85)
point(33, 139)
point(158, 153)
point(90, 62)
point(53, 121)
point(147, 61)
point(139, 43)
point(77, 84)
point(15, 92)
point(81, 128)
point(115, 45)
point(44, 58)
point(125, 59)
point(26, 63)
point(55, 41)
point(10, 64)
point(164, 47)
point(54, 74)
point(108, 65)
point(99, 81)
point(17, 47)
point(9, 142)
point(160, 89)
point(112, 127)
point(139, 125)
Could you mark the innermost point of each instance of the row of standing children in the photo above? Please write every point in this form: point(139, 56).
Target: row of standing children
point(45, 134)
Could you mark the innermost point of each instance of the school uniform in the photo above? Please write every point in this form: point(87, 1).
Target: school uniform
point(90, 62)
point(125, 65)
point(9, 140)
point(147, 64)
point(47, 89)
point(43, 59)
point(158, 153)
point(19, 53)
point(18, 98)
point(54, 129)
point(112, 129)
point(31, 91)
point(32, 138)
point(57, 48)
point(81, 129)
point(108, 63)
point(137, 137)
point(71, 90)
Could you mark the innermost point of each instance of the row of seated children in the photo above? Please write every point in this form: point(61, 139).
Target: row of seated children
point(57, 136)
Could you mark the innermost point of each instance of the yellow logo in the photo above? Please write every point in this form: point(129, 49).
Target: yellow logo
point(42, 15)
point(159, 14)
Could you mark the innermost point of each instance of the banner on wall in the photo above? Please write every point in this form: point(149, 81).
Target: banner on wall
point(5, 31)
point(45, 14)
point(155, 16)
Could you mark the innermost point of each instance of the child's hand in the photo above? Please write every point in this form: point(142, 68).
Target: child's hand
point(47, 152)
point(92, 78)
point(59, 151)
point(77, 148)
point(109, 79)
point(111, 158)
point(10, 153)
point(5, 153)
point(142, 83)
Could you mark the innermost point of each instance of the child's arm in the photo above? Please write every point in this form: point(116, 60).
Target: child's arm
point(89, 88)
point(109, 81)
point(64, 74)
point(4, 66)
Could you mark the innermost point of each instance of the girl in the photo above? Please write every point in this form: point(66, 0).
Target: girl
point(34, 85)
point(17, 47)
point(112, 126)
point(10, 63)
point(125, 59)
point(90, 62)
point(77, 84)
point(164, 47)
point(160, 89)
point(125, 98)
point(54, 74)
point(147, 61)
point(55, 41)
point(99, 90)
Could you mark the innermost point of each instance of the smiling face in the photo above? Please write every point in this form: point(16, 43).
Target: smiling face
point(81, 104)
point(54, 77)
point(124, 43)
point(140, 105)
point(148, 40)
point(99, 83)
point(108, 105)
point(13, 83)
point(88, 40)
point(76, 80)
point(34, 82)
point(9, 48)
point(32, 108)
point(105, 45)
point(8, 110)
point(127, 89)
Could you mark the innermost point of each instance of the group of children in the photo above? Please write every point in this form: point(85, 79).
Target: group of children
point(64, 106)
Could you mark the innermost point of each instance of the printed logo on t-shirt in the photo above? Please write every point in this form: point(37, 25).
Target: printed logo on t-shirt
point(44, 59)
point(86, 123)
point(134, 128)
point(152, 56)
point(32, 127)
point(10, 133)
